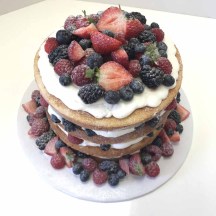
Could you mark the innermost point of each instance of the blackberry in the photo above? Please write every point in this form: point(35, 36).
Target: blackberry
point(130, 51)
point(59, 144)
point(146, 36)
point(112, 97)
point(175, 116)
point(178, 97)
point(162, 46)
point(145, 158)
point(85, 43)
point(145, 60)
point(179, 128)
point(77, 168)
point(157, 141)
point(136, 15)
point(95, 60)
point(162, 53)
point(154, 25)
point(59, 53)
point(126, 93)
point(65, 79)
point(63, 37)
point(42, 140)
point(139, 48)
point(90, 93)
point(151, 77)
point(90, 132)
point(55, 119)
point(121, 174)
point(168, 80)
point(68, 126)
point(84, 175)
point(109, 165)
point(108, 33)
point(113, 179)
point(137, 86)
point(105, 147)
point(153, 122)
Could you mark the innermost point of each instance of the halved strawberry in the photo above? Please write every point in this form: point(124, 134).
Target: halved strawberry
point(113, 76)
point(112, 19)
point(123, 163)
point(84, 32)
point(50, 148)
point(164, 136)
point(103, 43)
point(135, 165)
point(120, 56)
point(30, 106)
point(69, 156)
point(133, 28)
point(175, 137)
point(183, 112)
point(75, 51)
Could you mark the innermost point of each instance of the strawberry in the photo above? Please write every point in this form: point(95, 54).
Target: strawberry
point(84, 32)
point(134, 67)
point(172, 105)
point(175, 137)
point(164, 64)
point(112, 19)
point(135, 165)
point(120, 56)
point(113, 76)
point(57, 161)
point(133, 28)
point(30, 106)
point(63, 66)
point(99, 176)
point(50, 146)
point(103, 43)
point(159, 34)
point(50, 44)
point(75, 51)
point(183, 112)
point(68, 155)
point(39, 126)
point(123, 163)
point(164, 136)
point(74, 140)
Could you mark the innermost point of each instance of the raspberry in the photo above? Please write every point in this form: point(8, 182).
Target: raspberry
point(39, 126)
point(78, 75)
point(134, 67)
point(40, 112)
point(69, 22)
point(154, 151)
point(63, 66)
point(43, 102)
point(99, 176)
point(57, 161)
point(159, 34)
point(167, 149)
point(170, 124)
point(152, 169)
point(74, 140)
point(172, 105)
point(50, 45)
point(164, 64)
point(89, 164)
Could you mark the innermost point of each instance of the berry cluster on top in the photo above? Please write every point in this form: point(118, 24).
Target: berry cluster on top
point(113, 54)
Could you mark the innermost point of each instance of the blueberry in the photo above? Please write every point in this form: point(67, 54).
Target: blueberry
point(84, 175)
point(95, 60)
point(105, 147)
point(113, 179)
point(59, 144)
point(108, 33)
point(145, 158)
point(55, 119)
point(112, 97)
point(153, 122)
point(137, 86)
point(162, 53)
point(85, 43)
point(168, 80)
point(155, 25)
point(109, 165)
point(63, 37)
point(140, 48)
point(90, 132)
point(178, 97)
point(145, 60)
point(162, 46)
point(126, 93)
point(157, 141)
point(121, 174)
point(65, 79)
point(170, 132)
point(77, 168)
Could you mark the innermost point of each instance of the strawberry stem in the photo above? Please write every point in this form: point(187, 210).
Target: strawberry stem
point(84, 12)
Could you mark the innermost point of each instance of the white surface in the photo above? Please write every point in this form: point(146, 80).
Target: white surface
point(129, 188)
point(191, 191)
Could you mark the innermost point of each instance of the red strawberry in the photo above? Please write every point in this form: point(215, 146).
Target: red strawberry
point(183, 112)
point(133, 28)
point(172, 105)
point(99, 176)
point(89, 164)
point(30, 106)
point(50, 44)
point(123, 163)
point(175, 137)
point(134, 68)
point(50, 148)
point(75, 51)
point(113, 76)
point(63, 66)
point(167, 149)
point(68, 155)
point(164, 136)
point(104, 44)
point(120, 37)
point(152, 169)
point(164, 64)
point(57, 161)
point(159, 34)
point(135, 165)
point(112, 19)
point(43, 102)
point(84, 32)
point(120, 56)
point(74, 140)
point(39, 126)
point(170, 124)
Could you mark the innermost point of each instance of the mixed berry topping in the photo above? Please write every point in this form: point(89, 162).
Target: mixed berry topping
point(109, 50)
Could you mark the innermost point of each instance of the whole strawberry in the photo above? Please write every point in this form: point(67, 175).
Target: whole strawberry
point(39, 126)
point(164, 64)
point(99, 176)
point(135, 165)
point(50, 44)
point(63, 66)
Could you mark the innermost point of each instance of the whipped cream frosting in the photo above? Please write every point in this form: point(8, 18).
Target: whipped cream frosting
point(100, 109)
